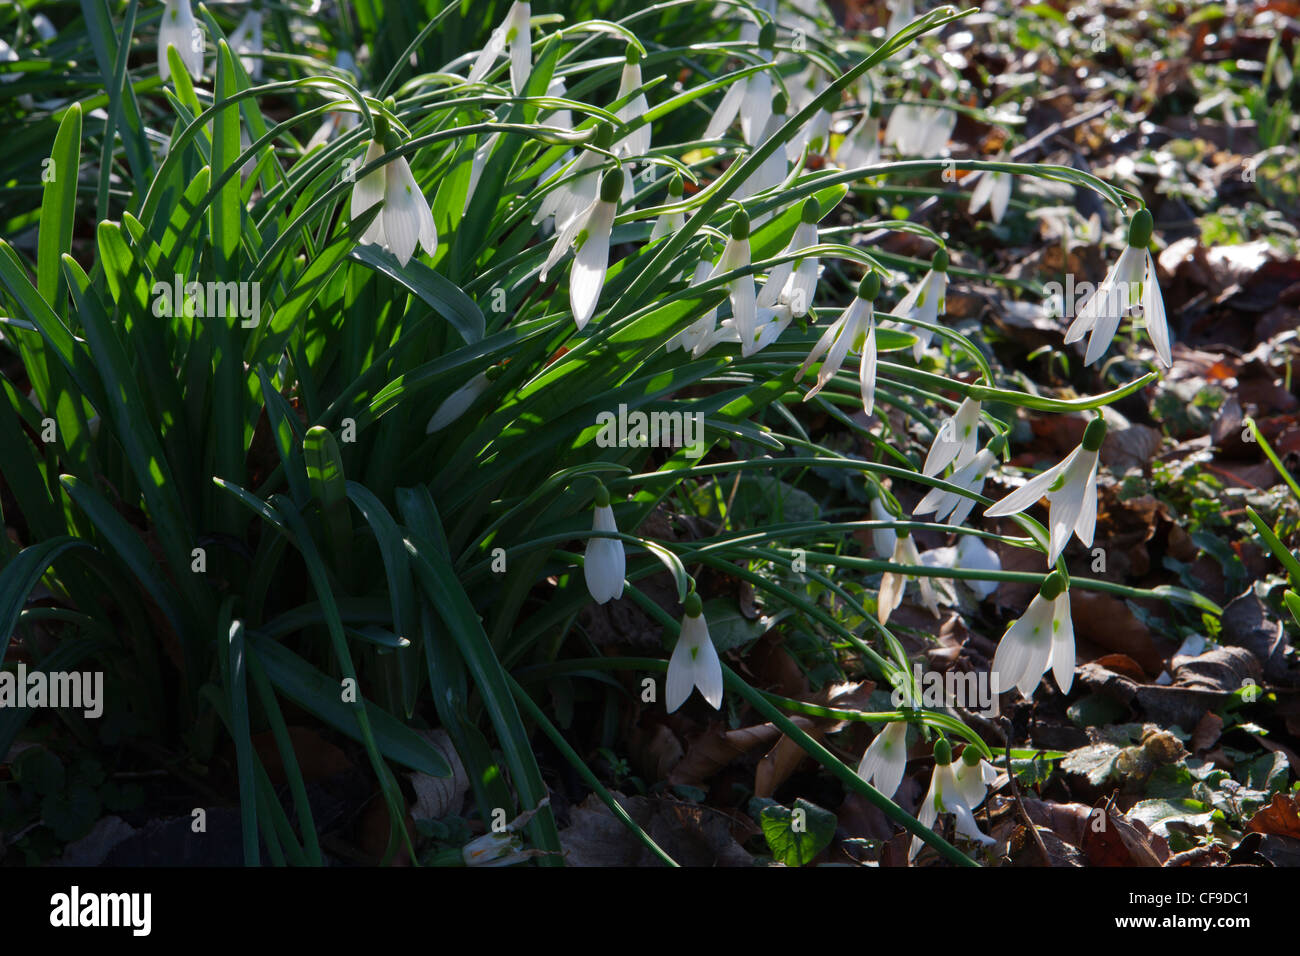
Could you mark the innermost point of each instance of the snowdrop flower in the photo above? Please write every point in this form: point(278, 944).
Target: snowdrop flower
point(695, 338)
point(920, 130)
point(406, 218)
point(246, 40)
point(948, 504)
point(794, 281)
point(993, 188)
point(974, 775)
point(695, 660)
point(605, 564)
point(459, 401)
point(1131, 282)
point(669, 222)
point(588, 234)
point(750, 98)
point(945, 796)
point(569, 199)
point(502, 847)
point(861, 145)
point(1071, 490)
point(637, 141)
point(883, 764)
point(883, 540)
point(744, 308)
point(969, 554)
point(855, 329)
point(515, 33)
point(892, 583)
point(768, 324)
point(1043, 638)
point(956, 438)
point(925, 302)
point(177, 28)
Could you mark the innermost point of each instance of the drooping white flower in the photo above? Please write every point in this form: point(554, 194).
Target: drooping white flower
point(569, 199)
point(969, 554)
point(177, 28)
point(588, 234)
point(956, 508)
point(750, 98)
point(669, 222)
point(956, 439)
point(514, 33)
point(637, 141)
point(920, 130)
point(885, 760)
point(883, 540)
point(974, 775)
point(605, 565)
point(246, 40)
point(854, 330)
point(861, 145)
point(945, 796)
point(695, 660)
point(993, 188)
point(406, 219)
point(1071, 490)
point(459, 401)
point(925, 302)
point(1042, 639)
point(892, 583)
point(768, 326)
point(1130, 284)
point(794, 281)
point(744, 307)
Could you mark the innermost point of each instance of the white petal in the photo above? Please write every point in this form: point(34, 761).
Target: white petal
point(368, 189)
point(457, 403)
point(1153, 310)
point(1062, 642)
point(521, 48)
point(1002, 183)
point(885, 760)
point(727, 110)
point(590, 263)
point(405, 209)
point(1030, 492)
point(867, 370)
point(884, 540)
point(980, 194)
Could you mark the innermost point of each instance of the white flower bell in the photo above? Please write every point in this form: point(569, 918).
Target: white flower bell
point(605, 564)
point(1042, 639)
point(695, 662)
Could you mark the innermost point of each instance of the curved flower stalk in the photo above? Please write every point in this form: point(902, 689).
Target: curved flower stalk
point(861, 145)
point(885, 759)
point(749, 98)
point(744, 307)
point(957, 438)
point(1131, 283)
point(970, 554)
point(177, 28)
point(926, 301)
point(920, 130)
point(605, 565)
point(246, 40)
point(948, 504)
point(406, 219)
point(946, 796)
point(994, 188)
point(339, 122)
point(854, 330)
point(793, 282)
point(515, 33)
point(974, 775)
point(569, 199)
point(459, 401)
point(669, 222)
point(1042, 639)
point(695, 662)
point(892, 583)
point(1071, 490)
point(588, 235)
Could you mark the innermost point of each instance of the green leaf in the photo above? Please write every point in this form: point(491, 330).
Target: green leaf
point(797, 836)
point(435, 290)
point(20, 576)
point(58, 207)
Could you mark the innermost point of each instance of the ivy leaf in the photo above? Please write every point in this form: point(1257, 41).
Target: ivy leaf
point(797, 836)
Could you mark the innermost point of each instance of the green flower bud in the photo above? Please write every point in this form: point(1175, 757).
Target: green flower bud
point(1053, 585)
point(940, 261)
point(767, 36)
point(602, 495)
point(1094, 434)
point(869, 287)
point(740, 225)
point(604, 137)
point(675, 185)
point(970, 755)
point(694, 606)
point(611, 187)
point(382, 127)
point(1139, 229)
point(942, 752)
point(811, 213)
point(780, 102)
point(633, 53)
